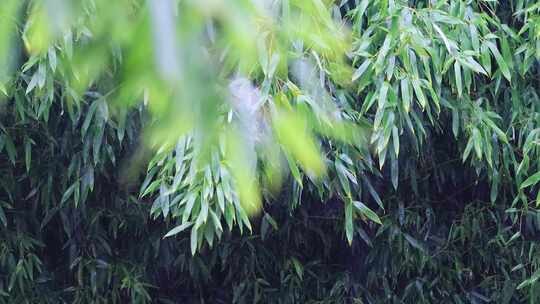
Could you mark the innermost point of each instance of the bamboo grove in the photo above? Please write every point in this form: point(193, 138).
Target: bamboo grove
point(279, 151)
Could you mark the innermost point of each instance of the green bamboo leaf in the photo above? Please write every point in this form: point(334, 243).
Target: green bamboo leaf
point(151, 188)
point(506, 52)
point(498, 131)
point(203, 214)
point(529, 281)
point(3, 218)
point(474, 37)
point(189, 206)
point(414, 242)
point(455, 122)
point(449, 45)
point(194, 241)
point(503, 65)
point(48, 216)
point(485, 58)
point(178, 229)
point(51, 54)
point(69, 192)
point(216, 221)
point(298, 268)
point(472, 64)
point(41, 74)
point(532, 180)
point(10, 148)
point(405, 94)
point(382, 100)
point(271, 221)
point(468, 149)
point(374, 193)
point(383, 51)
point(419, 93)
point(342, 176)
point(395, 140)
point(362, 8)
point(361, 69)
point(244, 218)
point(27, 153)
point(294, 169)
point(229, 216)
point(3, 89)
point(367, 212)
point(32, 84)
point(220, 197)
point(349, 228)
point(457, 73)
point(477, 140)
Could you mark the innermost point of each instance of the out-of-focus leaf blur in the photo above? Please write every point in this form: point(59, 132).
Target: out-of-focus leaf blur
point(207, 71)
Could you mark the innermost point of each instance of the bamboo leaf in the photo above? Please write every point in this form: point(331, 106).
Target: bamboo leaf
point(531, 181)
point(178, 229)
point(457, 73)
point(349, 228)
point(503, 65)
point(364, 210)
point(361, 69)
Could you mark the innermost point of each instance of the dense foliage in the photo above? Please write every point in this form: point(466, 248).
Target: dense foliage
point(280, 151)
